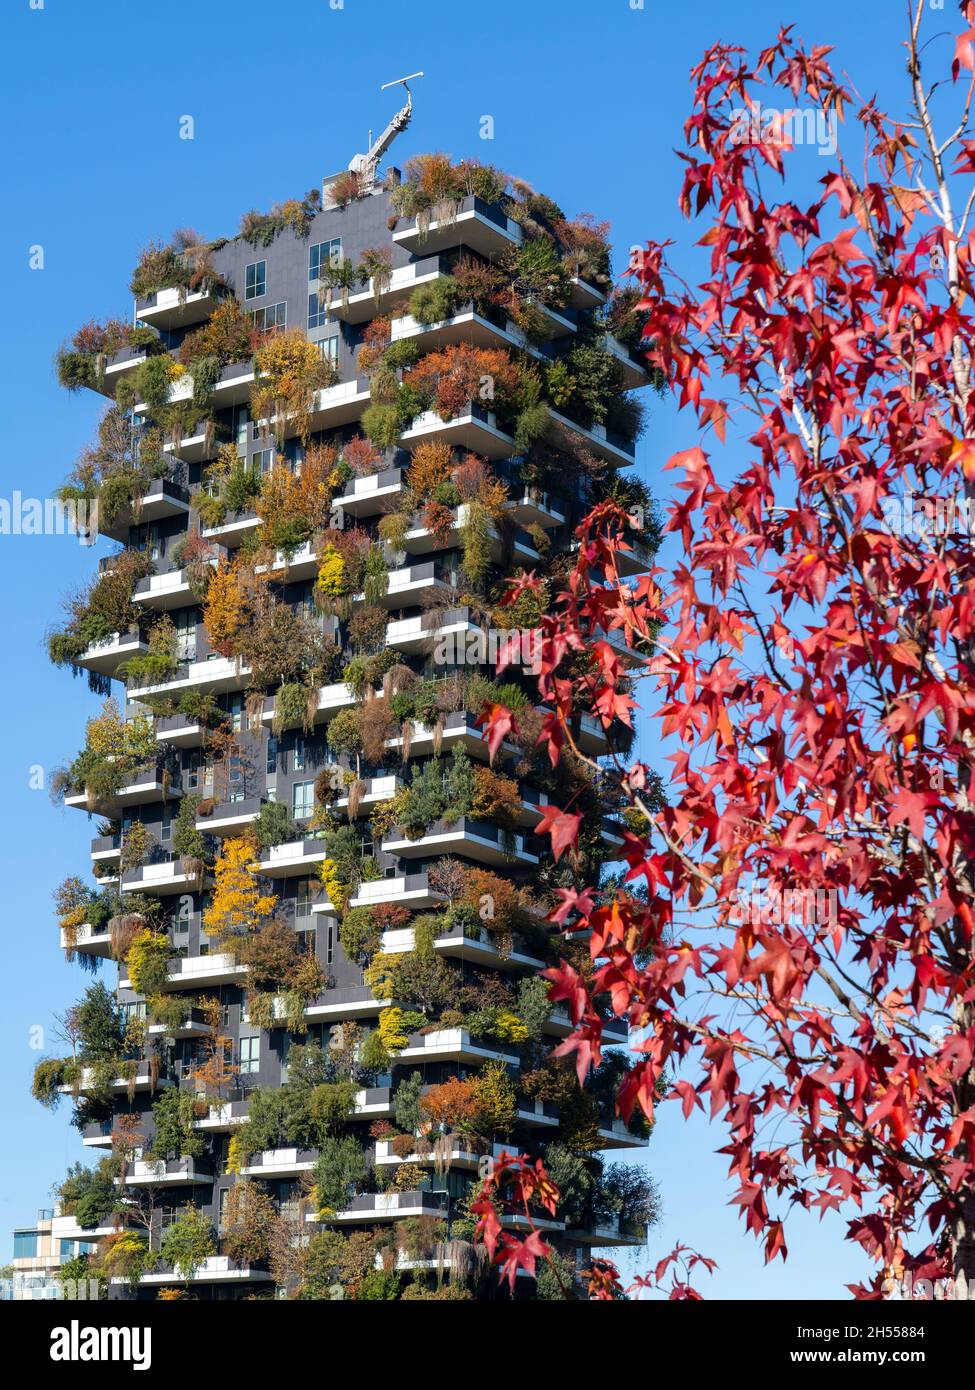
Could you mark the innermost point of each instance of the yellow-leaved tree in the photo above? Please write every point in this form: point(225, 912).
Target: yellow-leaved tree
point(238, 905)
point(225, 610)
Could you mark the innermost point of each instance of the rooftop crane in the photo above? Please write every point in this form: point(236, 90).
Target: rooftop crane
point(366, 165)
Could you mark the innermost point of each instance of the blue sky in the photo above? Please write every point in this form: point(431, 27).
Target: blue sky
point(588, 98)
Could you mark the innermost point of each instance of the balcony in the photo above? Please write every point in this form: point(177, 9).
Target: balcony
point(196, 972)
point(453, 1045)
point(149, 785)
point(637, 559)
point(421, 540)
point(230, 817)
point(532, 507)
point(452, 1151)
point(481, 226)
point(410, 890)
point(475, 429)
point(607, 445)
point(635, 374)
point(87, 941)
point(538, 1114)
point(217, 1269)
point(612, 1231)
point(554, 323)
point(616, 638)
point(194, 448)
point(612, 835)
point(346, 1001)
point(223, 1117)
point(584, 295)
point(97, 1135)
point(279, 1163)
point(617, 1136)
point(107, 656)
point(179, 731)
point(591, 736)
point(232, 387)
point(371, 1207)
point(217, 674)
point(232, 532)
point(479, 949)
point(194, 1025)
point(123, 364)
point(331, 698)
point(374, 1103)
point(303, 564)
point(367, 304)
point(350, 1001)
point(140, 1081)
point(296, 857)
point(474, 839)
point(341, 404)
point(176, 308)
point(467, 326)
point(422, 632)
point(162, 498)
point(151, 1172)
point(172, 876)
point(106, 849)
point(170, 590)
point(407, 585)
point(458, 728)
point(376, 789)
point(373, 494)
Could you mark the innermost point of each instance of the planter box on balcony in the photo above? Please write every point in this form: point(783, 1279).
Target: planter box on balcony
point(481, 226)
point(151, 1172)
point(454, 1045)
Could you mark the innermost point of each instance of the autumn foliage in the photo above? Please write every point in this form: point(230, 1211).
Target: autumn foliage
point(795, 945)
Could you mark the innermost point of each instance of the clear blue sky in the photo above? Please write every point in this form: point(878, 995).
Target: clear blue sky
point(587, 98)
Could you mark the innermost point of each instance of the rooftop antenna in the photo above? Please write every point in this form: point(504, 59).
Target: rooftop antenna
point(366, 165)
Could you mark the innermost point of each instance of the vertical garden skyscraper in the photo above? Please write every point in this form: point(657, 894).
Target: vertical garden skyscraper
point(316, 916)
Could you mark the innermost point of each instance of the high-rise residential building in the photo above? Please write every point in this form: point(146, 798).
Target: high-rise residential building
point(329, 443)
point(47, 1252)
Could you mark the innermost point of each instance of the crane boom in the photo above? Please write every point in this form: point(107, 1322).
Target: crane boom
point(366, 165)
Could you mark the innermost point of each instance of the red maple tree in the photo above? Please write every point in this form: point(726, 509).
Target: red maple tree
point(795, 946)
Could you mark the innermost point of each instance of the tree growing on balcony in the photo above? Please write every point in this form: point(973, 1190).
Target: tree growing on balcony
point(239, 905)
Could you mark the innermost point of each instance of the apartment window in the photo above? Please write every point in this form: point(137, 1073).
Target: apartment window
point(185, 622)
point(262, 461)
point(329, 348)
point(271, 765)
point(329, 941)
point(270, 319)
point(242, 419)
point(25, 1245)
point(250, 1056)
point(305, 941)
point(303, 899)
point(179, 921)
point(318, 314)
point(322, 255)
point(146, 539)
point(235, 708)
point(299, 757)
point(166, 826)
point(223, 1199)
point(134, 1011)
point(191, 767)
point(235, 778)
point(302, 800)
point(255, 280)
